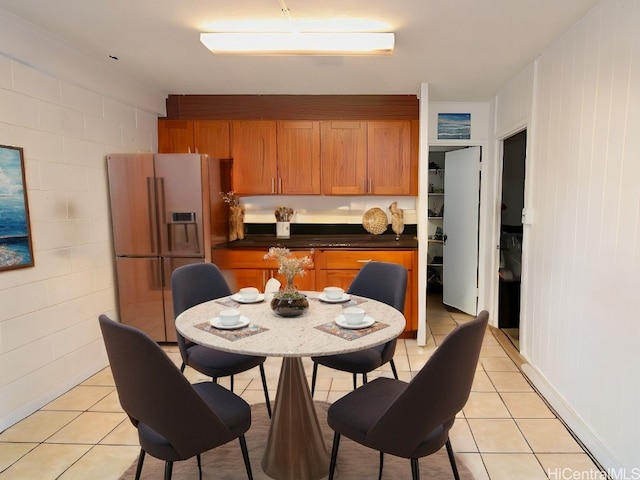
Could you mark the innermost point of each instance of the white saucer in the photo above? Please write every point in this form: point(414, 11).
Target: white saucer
point(367, 322)
point(345, 298)
point(243, 322)
point(236, 297)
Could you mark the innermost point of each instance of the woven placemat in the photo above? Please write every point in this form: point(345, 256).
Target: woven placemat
point(232, 335)
point(348, 333)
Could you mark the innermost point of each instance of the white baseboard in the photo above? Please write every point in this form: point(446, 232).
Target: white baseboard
point(572, 420)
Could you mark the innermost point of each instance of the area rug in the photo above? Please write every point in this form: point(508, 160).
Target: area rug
point(354, 461)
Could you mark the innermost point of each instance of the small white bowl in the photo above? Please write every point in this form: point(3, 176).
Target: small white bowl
point(354, 315)
point(333, 293)
point(229, 317)
point(249, 293)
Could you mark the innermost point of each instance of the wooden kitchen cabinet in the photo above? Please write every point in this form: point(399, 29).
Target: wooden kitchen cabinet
point(389, 162)
point(369, 158)
point(194, 136)
point(248, 268)
point(344, 157)
point(339, 268)
point(254, 152)
point(276, 157)
point(298, 157)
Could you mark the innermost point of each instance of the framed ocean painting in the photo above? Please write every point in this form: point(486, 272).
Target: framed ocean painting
point(454, 126)
point(16, 250)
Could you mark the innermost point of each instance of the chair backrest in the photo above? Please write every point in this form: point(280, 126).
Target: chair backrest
point(383, 281)
point(191, 285)
point(152, 391)
point(196, 283)
point(436, 394)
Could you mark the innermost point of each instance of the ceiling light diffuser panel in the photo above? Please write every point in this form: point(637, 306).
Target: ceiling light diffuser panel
point(305, 43)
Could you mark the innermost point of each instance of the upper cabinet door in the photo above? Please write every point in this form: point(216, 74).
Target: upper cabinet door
point(344, 157)
point(211, 137)
point(253, 148)
point(175, 136)
point(390, 169)
point(298, 158)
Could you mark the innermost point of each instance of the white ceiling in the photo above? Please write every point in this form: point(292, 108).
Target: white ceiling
point(465, 49)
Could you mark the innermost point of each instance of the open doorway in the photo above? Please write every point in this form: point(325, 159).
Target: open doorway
point(453, 226)
point(513, 176)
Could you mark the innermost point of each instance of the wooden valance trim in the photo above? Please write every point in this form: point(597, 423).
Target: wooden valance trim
point(292, 107)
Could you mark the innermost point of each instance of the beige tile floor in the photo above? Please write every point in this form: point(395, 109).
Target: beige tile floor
point(506, 431)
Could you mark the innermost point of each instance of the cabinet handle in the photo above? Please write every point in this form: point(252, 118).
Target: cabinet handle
point(280, 185)
point(364, 261)
point(273, 185)
point(370, 191)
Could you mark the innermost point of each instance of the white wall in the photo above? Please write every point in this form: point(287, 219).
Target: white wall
point(581, 269)
point(49, 335)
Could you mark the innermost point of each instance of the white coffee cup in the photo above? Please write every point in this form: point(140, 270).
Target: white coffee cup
point(229, 317)
point(333, 293)
point(248, 293)
point(353, 315)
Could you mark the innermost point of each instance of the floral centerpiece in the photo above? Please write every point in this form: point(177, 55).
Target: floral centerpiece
point(289, 302)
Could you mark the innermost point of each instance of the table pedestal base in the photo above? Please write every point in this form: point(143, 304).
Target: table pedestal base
point(295, 447)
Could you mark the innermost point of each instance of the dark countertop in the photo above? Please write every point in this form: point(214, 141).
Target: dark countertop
point(323, 236)
point(365, 241)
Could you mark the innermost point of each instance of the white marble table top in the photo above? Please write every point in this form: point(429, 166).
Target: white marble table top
point(293, 336)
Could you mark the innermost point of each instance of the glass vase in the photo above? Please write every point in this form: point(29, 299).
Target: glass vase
point(289, 302)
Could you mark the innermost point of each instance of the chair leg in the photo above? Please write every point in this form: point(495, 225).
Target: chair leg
point(415, 469)
point(334, 454)
point(381, 464)
point(231, 382)
point(140, 462)
point(355, 381)
point(245, 456)
point(199, 466)
point(168, 470)
point(452, 460)
point(183, 367)
point(266, 390)
point(393, 369)
point(313, 378)
point(364, 378)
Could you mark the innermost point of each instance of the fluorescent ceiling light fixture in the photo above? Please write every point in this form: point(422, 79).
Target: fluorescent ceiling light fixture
point(304, 43)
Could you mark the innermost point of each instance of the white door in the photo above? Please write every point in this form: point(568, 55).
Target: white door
point(460, 226)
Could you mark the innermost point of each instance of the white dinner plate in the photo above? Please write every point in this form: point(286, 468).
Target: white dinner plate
point(345, 298)
point(243, 322)
point(367, 322)
point(236, 297)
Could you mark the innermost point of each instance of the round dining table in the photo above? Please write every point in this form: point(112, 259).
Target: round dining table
point(295, 448)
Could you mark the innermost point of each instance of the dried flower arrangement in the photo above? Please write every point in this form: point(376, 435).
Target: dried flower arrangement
point(236, 215)
point(288, 265)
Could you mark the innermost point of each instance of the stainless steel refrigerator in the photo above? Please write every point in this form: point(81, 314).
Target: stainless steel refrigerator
point(160, 214)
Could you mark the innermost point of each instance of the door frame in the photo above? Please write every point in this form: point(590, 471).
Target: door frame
point(494, 264)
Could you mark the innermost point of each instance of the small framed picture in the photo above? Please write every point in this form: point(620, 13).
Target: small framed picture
point(454, 126)
point(16, 250)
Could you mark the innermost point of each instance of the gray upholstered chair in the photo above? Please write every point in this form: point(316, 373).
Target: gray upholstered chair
point(175, 419)
point(197, 283)
point(384, 282)
point(412, 420)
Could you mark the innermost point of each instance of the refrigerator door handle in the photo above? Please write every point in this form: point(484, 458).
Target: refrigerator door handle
point(151, 201)
point(162, 215)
